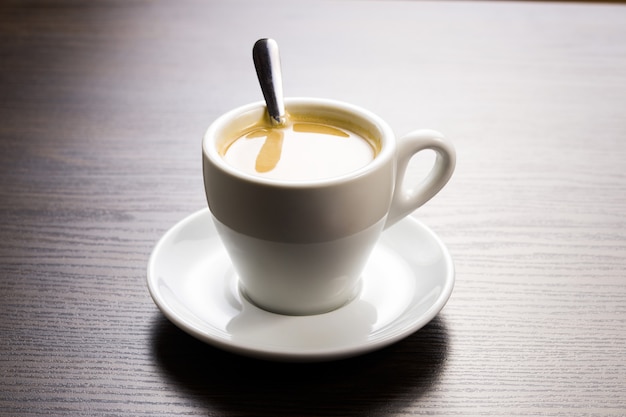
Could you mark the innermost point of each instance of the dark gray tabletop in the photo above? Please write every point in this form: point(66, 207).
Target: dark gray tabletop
point(102, 108)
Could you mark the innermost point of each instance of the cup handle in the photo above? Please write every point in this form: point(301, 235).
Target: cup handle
point(406, 200)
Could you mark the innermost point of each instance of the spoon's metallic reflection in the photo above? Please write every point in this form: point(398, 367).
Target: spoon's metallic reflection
point(267, 64)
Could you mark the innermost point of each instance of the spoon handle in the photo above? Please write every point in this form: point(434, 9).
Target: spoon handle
point(267, 64)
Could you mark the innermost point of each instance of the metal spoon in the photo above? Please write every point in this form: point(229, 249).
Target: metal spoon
point(267, 64)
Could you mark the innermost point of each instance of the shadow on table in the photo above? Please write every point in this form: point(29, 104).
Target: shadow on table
point(389, 379)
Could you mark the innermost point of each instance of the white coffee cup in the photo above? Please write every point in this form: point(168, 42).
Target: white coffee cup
point(299, 247)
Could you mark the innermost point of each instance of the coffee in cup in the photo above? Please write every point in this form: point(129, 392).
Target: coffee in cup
point(299, 150)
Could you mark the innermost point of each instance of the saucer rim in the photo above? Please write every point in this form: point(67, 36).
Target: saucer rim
point(302, 354)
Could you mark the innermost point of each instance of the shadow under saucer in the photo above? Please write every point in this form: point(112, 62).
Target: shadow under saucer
point(218, 381)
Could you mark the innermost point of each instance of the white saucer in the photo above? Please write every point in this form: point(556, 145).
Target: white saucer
point(406, 282)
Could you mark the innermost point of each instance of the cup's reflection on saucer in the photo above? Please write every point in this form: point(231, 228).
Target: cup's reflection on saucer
point(248, 324)
point(253, 324)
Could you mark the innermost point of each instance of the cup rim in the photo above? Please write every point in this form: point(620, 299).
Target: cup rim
point(384, 131)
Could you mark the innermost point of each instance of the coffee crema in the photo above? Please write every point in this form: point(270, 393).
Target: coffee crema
point(299, 151)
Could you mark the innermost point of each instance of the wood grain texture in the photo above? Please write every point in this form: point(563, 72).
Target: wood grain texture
point(102, 107)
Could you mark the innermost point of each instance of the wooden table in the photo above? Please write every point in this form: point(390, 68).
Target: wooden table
point(102, 108)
